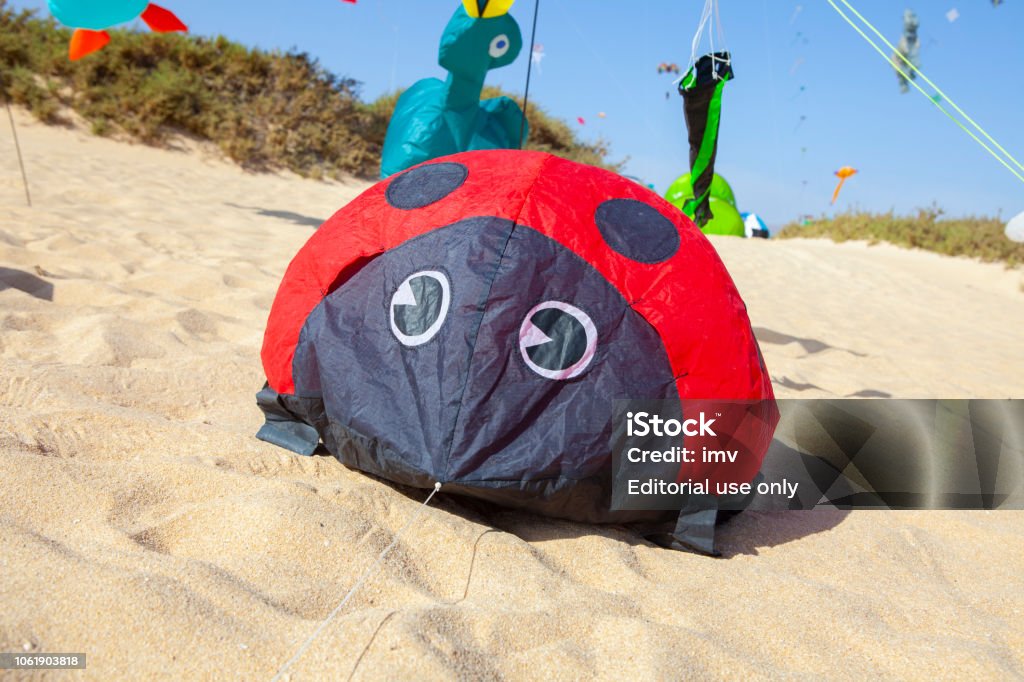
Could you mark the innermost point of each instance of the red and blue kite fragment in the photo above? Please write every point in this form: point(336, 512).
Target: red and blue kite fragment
point(91, 18)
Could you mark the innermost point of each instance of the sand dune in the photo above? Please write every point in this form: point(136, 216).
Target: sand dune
point(142, 523)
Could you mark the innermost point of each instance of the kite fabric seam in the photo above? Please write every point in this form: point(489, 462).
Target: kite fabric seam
point(490, 285)
point(937, 104)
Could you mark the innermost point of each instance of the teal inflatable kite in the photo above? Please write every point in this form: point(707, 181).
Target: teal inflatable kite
point(436, 118)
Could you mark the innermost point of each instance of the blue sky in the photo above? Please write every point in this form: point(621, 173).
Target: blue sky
point(601, 56)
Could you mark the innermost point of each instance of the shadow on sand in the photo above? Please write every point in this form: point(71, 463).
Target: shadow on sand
point(289, 216)
point(26, 282)
point(810, 346)
point(743, 534)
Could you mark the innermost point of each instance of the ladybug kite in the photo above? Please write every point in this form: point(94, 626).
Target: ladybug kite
point(470, 321)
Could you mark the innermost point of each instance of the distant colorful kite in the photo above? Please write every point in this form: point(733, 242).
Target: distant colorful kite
point(666, 67)
point(909, 48)
point(537, 54)
point(844, 174)
point(91, 18)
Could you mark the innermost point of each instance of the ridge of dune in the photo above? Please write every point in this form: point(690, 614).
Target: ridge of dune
point(141, 522)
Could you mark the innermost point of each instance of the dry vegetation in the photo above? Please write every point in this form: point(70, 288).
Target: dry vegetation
point(263, 109)
point(981, 238)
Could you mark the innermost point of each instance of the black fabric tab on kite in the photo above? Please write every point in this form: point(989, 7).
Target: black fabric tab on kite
point(692, 531)
point(283, 427)
point(701, 89)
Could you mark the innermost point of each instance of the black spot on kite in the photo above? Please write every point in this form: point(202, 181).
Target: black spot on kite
point(425, 185)
point(637, 231)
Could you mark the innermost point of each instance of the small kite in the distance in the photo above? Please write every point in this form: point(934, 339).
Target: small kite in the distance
point(91, 18)
point(844, 174)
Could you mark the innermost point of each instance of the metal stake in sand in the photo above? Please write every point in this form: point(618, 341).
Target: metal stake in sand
point(21, 162)
point(355, 588)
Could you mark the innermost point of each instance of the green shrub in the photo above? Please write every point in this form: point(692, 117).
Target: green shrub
point(264, 110)
point(975, 237)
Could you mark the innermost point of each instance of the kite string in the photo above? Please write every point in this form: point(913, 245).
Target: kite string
point(711, 36)
point(927, 80)
point(705, 17)
point(609, 73)
point(721, 31)
point(710, 23)
point(933, 101)
point(17, 146)
point(355, 588)
point(529, 71)
point(774, 98)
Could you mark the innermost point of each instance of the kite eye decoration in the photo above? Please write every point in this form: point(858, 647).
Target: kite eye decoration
point(419, 307)
point(487, 9)
point(557, 340)
point(499, 46)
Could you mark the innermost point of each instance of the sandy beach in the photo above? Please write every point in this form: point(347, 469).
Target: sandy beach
point(142, 523)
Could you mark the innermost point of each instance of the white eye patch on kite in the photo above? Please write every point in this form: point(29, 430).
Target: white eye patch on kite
point(419, 307)
point(499, 46)
point(557, 340)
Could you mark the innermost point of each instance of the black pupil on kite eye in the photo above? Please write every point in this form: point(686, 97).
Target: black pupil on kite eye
point(568, 341)
point(416, 320)
point(425, 185)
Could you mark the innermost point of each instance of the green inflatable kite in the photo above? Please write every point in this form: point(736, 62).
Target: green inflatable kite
point(680, 192)
point(726, 220)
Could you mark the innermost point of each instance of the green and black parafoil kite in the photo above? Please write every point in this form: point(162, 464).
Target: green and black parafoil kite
point(702, 88)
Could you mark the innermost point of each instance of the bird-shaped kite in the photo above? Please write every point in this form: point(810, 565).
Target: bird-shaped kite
point(435, 118)
point(90, 18)
point(843, 174)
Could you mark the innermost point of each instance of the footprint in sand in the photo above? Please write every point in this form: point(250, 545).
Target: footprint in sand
point(198, 324)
